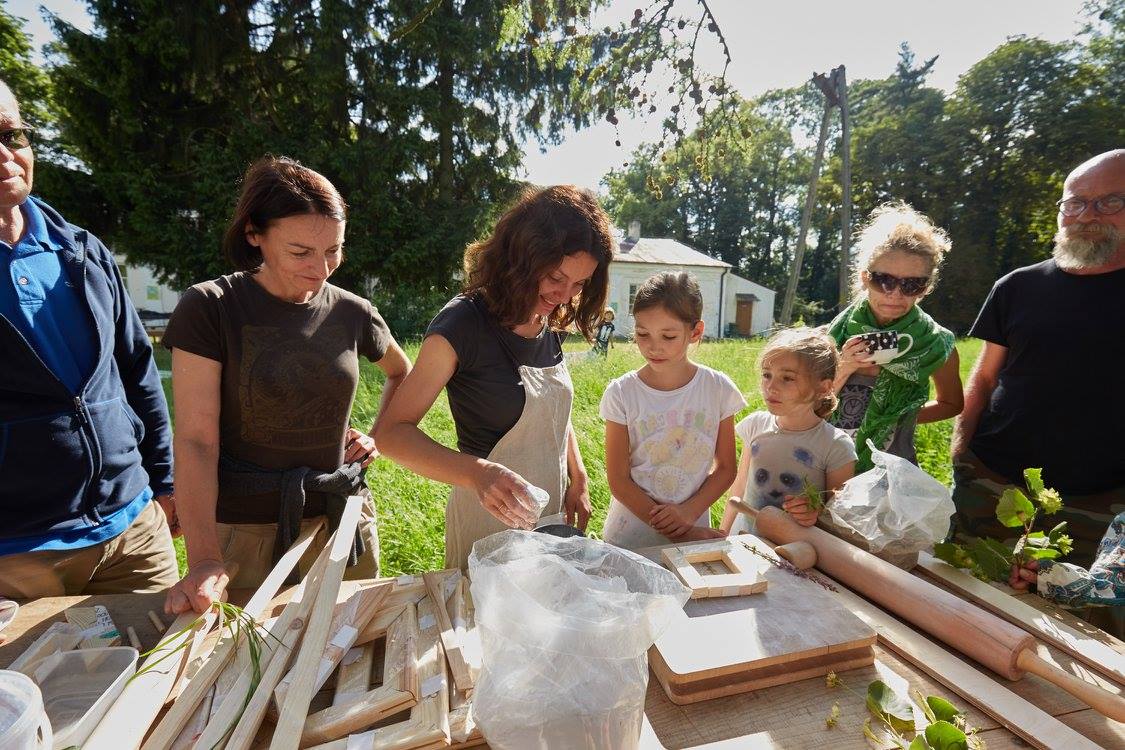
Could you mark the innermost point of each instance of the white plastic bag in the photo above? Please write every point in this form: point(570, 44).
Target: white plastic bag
point(894, 508)
point(565, 627)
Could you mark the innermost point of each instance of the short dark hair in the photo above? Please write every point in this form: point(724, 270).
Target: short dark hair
point(676, 292)
point(273, 188)
point(531, 239)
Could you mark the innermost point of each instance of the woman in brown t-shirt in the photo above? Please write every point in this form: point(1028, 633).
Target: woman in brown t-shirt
point(264, 371)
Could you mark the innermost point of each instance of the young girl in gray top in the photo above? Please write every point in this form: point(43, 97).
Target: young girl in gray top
point(789, 451)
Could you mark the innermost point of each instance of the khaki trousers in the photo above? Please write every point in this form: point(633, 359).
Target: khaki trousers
point(249, 546)
point(140, 559)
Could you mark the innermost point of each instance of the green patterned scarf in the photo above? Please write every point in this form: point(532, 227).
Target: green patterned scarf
point(903, 386)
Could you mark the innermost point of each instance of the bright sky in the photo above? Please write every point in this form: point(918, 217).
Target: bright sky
point(774, 45)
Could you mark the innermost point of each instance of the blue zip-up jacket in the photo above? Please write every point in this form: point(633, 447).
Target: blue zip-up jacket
point(68, 460)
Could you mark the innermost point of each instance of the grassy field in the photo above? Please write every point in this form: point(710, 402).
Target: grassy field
point(411, 508)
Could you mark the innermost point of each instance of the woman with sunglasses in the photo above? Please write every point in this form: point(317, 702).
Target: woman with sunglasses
point(898, 255)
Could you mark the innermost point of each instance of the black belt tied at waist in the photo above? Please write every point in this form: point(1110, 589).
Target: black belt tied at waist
point(242, 478)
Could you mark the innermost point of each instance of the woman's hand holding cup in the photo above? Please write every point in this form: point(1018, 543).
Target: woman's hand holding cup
point(856, 353)
point(507, 496)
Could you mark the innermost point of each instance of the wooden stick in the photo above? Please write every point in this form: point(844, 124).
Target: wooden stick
point(182, 710)
point(1062, 636)
point(134, 641)
point(157, 622)
point(196, 724)
point(462, 676)
point(355, 613)
point(295, 710)
point(234, 711)
point(1097, 698)
point(127, 721)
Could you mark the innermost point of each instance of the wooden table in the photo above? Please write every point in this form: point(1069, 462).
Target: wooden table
point(786, 716)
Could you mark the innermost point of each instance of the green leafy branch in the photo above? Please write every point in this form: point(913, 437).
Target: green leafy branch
point(813, 497)
point(990, 560)
point(894, 723)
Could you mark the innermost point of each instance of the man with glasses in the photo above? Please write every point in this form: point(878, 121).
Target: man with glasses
point(1047, 389)
point(85, 441)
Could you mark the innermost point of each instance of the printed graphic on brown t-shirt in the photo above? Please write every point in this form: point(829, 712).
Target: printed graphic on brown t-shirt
point(293, 393)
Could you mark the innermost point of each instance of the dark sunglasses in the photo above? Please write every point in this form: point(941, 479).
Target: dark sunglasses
point(15, 138)
point(911, 286)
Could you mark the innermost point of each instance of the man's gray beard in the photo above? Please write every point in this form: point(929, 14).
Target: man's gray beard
point(1073, 253)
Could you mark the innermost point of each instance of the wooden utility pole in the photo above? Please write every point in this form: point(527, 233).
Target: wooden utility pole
point(806, 217)
point(845, 180)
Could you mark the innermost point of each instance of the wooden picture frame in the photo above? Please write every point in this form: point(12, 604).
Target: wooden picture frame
point(746, 577)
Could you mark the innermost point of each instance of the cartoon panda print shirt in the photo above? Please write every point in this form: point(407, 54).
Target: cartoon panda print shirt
point(782, 461)
point(672, 438)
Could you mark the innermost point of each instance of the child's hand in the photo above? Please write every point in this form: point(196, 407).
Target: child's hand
point(798, 507)
point(670, 520)
point(1022, 576)
point(699, 533)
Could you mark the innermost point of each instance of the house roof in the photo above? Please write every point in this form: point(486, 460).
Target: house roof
point(663, 251)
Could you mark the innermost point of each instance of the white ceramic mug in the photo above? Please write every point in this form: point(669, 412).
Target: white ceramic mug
point(883, 346)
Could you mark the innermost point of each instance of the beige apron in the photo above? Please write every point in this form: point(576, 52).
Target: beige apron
point(535, 448)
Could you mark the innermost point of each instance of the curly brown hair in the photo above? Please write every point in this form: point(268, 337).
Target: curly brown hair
point(530, 240)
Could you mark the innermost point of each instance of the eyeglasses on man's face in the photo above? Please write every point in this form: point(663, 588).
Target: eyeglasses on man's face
point(1107, 205)
point(15, 138)
point(911, 286)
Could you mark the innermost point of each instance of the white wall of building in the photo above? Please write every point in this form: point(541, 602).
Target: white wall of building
point(146, 292)
point(626, 275)
point(762, 319)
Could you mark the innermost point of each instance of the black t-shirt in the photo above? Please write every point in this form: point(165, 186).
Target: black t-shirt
point(485, 393)
point(1059, 403)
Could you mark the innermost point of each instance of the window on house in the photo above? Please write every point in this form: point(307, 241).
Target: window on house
point(153, 292)
point(124, 271)
point(632, 295)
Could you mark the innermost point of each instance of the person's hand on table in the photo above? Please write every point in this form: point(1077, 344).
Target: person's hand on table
point(503, 493)
point(797, 506)
point(205, 582)
point(359, 446)
point(1023, 576)
point(576, 502)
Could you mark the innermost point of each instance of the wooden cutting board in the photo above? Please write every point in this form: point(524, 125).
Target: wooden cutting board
point(793, 630)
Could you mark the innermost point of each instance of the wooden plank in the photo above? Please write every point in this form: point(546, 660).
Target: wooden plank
point(355, 613)
point(235, 715)
point(710, 638)
point(452, 643)
point(1059, 634)
point(295, 710)
point(398, 692)
point(1029, 722)
point(128, 720)
point(201, 683)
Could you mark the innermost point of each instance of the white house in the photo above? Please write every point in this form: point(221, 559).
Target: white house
point(731, 304)
point(154, 300)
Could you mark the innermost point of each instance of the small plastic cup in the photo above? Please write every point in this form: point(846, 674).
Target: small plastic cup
point(23, 721)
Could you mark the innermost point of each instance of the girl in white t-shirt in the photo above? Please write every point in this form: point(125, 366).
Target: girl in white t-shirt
point(790, 449)
point(669, 431)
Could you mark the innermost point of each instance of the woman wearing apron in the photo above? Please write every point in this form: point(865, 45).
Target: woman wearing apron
point(497, 350)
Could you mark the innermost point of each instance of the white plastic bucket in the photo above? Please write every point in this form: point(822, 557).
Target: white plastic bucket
point(23, 722)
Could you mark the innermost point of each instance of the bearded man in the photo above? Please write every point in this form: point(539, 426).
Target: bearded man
point(1048, 390)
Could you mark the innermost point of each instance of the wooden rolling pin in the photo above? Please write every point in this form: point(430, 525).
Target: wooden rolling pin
point(995, 643)
point(801, 554)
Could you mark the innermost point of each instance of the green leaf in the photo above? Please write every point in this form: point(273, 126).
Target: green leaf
point(992, 558)
point(1037, 539)
point(919, 743)
point(1014, 509)
point(889, 706)
point(1056, 532)
point(1034, 553)
point(944, 736)
point(954, 554)
point(942, 709)
point(1034, 480)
